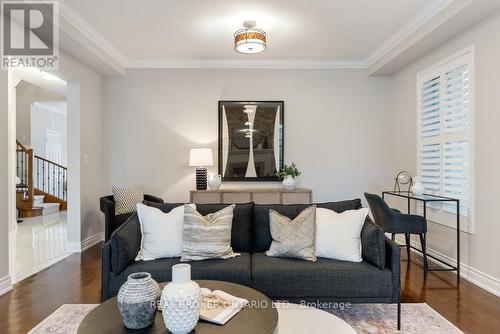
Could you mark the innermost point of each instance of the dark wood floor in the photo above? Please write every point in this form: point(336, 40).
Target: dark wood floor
point(76, 280)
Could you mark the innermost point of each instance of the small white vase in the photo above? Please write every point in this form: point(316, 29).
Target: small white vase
point(289, 183)
point(215, 182)
point(181, 301)
point(417, 188)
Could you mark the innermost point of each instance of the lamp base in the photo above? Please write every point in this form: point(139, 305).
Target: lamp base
point(201, 178)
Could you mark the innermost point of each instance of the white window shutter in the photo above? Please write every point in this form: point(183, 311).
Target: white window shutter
point(444, 133)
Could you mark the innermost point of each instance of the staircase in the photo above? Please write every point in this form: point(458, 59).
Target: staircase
point(42, 188)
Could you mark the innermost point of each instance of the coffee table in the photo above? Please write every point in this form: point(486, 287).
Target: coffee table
point(294, 318)
point(106, 318)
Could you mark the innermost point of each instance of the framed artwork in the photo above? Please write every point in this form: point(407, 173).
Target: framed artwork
point(251, 140)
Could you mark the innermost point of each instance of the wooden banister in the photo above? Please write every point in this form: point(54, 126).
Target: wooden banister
point(51, 162)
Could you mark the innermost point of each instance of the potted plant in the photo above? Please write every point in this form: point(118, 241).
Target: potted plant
point(288, 175)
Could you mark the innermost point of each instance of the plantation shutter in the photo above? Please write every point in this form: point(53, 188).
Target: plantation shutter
point(444, 157)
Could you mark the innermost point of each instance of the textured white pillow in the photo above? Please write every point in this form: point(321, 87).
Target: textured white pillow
point(161, 232)
point(338, 235)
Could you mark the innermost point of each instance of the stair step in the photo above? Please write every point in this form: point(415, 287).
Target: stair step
point(38, 199)
point(49, 208)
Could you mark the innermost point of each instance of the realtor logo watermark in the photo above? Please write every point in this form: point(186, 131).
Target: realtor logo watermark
point(30, 34)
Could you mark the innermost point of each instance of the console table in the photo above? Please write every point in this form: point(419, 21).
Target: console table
point(429, 198)
point(256, 195)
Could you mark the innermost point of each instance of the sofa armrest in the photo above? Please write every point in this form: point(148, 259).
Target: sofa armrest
point(373, 244)
point(394, 265)
point(151, 198)
point(105, 270)
point(107, 205)
point(125, 244)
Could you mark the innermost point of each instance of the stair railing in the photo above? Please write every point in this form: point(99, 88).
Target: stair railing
point(50, 177)
point(24, 167)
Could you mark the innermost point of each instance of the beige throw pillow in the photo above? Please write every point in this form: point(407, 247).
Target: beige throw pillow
point(207, 237)
point(126, 199)
point(293, 238)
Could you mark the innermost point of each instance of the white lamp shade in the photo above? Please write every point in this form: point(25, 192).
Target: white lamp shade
point(199, 157)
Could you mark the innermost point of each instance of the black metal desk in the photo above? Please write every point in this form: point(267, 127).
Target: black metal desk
point(426, 198)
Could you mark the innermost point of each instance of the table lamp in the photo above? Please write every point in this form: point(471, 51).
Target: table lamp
point(201, 158)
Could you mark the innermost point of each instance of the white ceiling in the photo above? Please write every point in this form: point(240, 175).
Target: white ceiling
point(161, 30)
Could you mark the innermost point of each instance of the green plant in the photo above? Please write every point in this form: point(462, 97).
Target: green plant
point(291, 170)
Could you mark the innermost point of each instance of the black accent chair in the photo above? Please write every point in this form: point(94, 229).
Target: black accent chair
point(394, 222)
point(112, 221)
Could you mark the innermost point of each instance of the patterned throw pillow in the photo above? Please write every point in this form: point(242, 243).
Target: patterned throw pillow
point(207, 237)
point(126, 199)
point(293, 238)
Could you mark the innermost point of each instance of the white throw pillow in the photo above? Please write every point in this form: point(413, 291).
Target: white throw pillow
point(161, 232)
point(338, 235)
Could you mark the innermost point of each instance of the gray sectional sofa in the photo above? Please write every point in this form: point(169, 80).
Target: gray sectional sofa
point(374, 280)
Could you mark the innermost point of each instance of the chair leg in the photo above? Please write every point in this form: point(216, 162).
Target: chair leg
point(424, 251)
point(399, 312)
point(407, 237)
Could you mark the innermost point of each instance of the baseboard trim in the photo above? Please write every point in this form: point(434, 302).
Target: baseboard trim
point(5, 285)
point(78, 247)
point(473, 275)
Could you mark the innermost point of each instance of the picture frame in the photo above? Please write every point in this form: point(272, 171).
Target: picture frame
point(250, 140)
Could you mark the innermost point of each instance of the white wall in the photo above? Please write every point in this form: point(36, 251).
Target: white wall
point(26, 94)
point(4, 184)
point(336, 126)
point(49, 116)
point(85, 159)
point(479, 250)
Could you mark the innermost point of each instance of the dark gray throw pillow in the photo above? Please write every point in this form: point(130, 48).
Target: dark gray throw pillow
point(373, 244)
point(262, 234)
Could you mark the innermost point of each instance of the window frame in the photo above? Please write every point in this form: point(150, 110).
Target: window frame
point(436, 215)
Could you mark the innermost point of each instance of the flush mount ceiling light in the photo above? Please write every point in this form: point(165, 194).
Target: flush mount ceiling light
point(249, 40)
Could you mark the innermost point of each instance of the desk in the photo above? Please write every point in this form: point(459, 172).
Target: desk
point(428, 198)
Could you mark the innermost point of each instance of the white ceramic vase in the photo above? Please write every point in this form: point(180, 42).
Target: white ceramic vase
point(417, 188)
point(181, 301)
point(289, 183)
point(215, 182)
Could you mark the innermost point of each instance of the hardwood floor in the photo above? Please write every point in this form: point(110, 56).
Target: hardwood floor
point(76, 280)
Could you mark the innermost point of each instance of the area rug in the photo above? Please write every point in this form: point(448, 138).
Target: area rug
point(364, 318)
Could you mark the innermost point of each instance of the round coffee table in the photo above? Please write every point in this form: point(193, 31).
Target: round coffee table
point(294, 318)
point(260, 317)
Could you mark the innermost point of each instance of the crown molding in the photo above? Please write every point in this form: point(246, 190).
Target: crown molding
point(67, 13)
point(421, 19)
point(248, 64)
point(392, 47)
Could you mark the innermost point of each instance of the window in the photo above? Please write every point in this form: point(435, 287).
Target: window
point(445, 114)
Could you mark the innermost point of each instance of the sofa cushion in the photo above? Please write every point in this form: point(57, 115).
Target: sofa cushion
point(373, 244)
point(241, 231)
point(125, 243)
point(236, 269)
point(282, 278)
point(262, 233)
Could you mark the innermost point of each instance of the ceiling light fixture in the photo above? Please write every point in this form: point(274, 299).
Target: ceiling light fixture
point(250, 40)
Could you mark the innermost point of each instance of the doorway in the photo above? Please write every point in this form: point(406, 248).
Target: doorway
point(38, 236)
